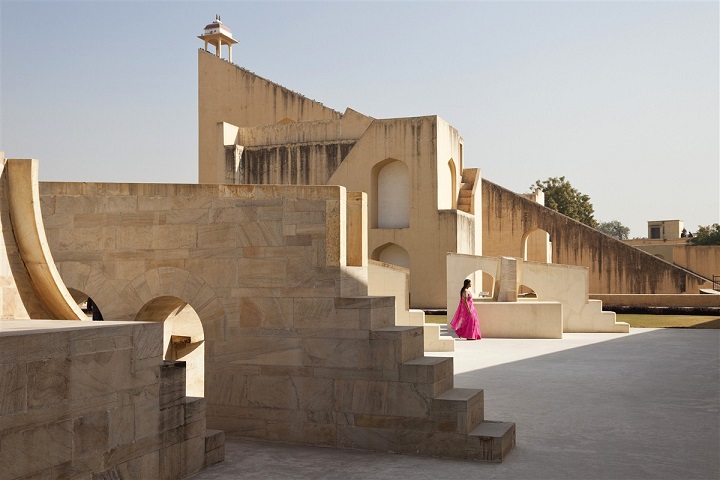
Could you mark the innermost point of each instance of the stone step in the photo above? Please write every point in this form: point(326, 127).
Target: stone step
point(435, 341)
point(607, 320)
point(392, 346)
point(491, 441)
point(431, 375)
point(214, 447)
point(463, 406)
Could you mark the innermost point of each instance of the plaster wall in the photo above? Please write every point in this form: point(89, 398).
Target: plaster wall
point(701, 259)
point(228, 93)
point(349, 127)
point(431, 232)
point(298, 164)
point(294, 141)
point(386, 279)
point(569, 285)
point(563, 284)
point(391, 280)
point(667, 229)
point(660, 249)
point(448, 148)
point(520, 319)
point(613, 266)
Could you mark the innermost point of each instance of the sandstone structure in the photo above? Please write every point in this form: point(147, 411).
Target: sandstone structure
point(295, 349)
point(565, 304)
point(422, 200)
point(81, 398)
point(613, 266)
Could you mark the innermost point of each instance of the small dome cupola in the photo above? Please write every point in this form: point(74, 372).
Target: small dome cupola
point(217, 34)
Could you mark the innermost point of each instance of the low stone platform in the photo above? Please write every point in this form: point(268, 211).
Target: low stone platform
point(82, 398)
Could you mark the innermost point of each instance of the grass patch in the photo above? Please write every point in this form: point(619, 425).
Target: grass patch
point(670, 321)
point(640, 321)
point(441, 319)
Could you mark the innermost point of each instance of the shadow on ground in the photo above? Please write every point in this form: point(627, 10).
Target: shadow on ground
point(637, 406)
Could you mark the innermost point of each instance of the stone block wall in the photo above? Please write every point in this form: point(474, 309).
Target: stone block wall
point(295, 350)
point(82, 399)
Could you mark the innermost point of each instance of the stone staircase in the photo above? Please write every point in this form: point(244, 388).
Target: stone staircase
point(182, 426)
point(420, 412)
point(602, 321)
point(464, 201)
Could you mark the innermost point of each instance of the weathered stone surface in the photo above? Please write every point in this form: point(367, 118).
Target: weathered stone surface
point(337, 353)
point(20, 456)
point(48, 382)
point(121, 425)
point(13, 389)
point(194, 409)
point(193, 455)
point(91, 413)
point(426, 369)
point(172, 384)
point(214, 439)
point(289, 355)
point(215, 456)
point(91, 433)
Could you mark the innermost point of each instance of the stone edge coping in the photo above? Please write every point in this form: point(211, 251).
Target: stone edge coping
point(31, 326)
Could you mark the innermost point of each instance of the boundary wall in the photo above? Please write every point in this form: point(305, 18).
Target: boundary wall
point(613, 266)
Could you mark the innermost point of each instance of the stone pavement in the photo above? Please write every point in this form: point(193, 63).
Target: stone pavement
point(643, 405)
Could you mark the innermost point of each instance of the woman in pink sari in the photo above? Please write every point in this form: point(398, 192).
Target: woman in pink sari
point(465, 322)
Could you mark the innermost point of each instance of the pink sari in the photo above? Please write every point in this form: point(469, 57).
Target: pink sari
point(465, 322)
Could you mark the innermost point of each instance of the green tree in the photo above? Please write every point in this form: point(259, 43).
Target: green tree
point(709, 235)
point(562, 197)
point(615, 229)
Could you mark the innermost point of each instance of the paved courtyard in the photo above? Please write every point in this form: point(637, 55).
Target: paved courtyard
point(644, 405)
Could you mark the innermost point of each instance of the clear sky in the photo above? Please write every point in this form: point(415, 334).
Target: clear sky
point(619, 97)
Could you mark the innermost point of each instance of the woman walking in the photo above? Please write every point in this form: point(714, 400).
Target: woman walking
point(465, 322)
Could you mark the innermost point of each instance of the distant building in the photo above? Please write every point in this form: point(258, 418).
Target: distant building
point(665, 229)
point(666, 241)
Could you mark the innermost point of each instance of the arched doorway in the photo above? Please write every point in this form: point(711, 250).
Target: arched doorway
point(183, 338)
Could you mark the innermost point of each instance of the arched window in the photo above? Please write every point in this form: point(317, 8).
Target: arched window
point(393, 195)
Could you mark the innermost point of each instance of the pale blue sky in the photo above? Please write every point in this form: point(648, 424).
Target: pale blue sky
point(620, 97)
